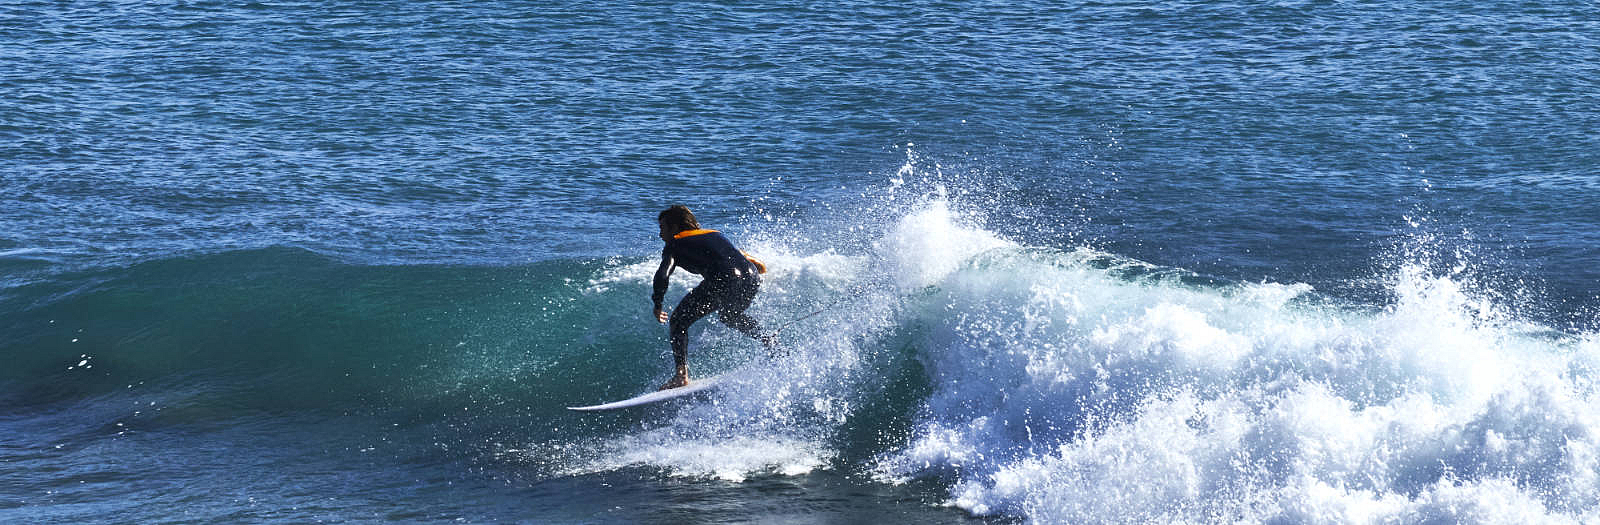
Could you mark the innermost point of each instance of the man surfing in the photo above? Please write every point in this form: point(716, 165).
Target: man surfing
point(730, 281)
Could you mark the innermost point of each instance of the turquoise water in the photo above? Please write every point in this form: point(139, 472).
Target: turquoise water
point(1303, 262)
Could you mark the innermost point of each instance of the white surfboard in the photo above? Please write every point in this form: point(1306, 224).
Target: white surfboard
point(695, 385)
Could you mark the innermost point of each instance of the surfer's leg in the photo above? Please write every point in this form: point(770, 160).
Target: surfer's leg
point(699, 302)
point(748, 326)
point(735, 301)
point(743, 323)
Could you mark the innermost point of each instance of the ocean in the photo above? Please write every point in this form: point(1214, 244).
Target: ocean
point(1031, 262)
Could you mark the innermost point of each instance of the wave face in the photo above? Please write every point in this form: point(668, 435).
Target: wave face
point(1054, 385)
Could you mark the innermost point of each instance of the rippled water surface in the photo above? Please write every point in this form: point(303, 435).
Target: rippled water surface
point(1310, 262)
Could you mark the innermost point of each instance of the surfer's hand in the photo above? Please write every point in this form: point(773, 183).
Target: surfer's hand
point(661, 317)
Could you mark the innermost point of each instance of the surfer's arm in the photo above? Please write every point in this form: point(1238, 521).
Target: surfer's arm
point(660, 292)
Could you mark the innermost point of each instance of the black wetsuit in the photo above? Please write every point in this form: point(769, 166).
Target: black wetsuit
point(731, 282)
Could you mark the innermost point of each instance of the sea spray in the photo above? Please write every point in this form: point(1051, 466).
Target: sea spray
point(1062, 393)
point(1081, 386)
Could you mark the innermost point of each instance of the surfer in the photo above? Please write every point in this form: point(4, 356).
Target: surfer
point(730, 281)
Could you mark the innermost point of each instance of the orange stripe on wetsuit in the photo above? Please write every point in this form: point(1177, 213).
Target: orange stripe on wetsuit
point(691, 233)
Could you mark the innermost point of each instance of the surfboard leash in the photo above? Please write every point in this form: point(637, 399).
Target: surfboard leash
point(836, 302)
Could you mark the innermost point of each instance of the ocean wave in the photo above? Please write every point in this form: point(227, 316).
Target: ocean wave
point(1067, 386)
point(1044, 383)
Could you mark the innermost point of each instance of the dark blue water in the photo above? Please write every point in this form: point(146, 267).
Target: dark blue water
point(1296, 262)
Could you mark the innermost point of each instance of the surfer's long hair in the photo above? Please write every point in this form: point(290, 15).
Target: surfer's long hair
point(679, 217)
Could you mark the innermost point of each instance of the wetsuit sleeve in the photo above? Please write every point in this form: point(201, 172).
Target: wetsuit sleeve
point(662, 273)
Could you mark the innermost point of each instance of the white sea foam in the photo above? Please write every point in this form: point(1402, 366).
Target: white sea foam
point(725, 457)
point(1063, 391)
point(926, 246)
point(622, 272)
point(764, 420)
point(1063, 394)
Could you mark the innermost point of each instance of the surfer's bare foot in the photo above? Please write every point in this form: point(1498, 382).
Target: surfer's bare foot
point(676, 381)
